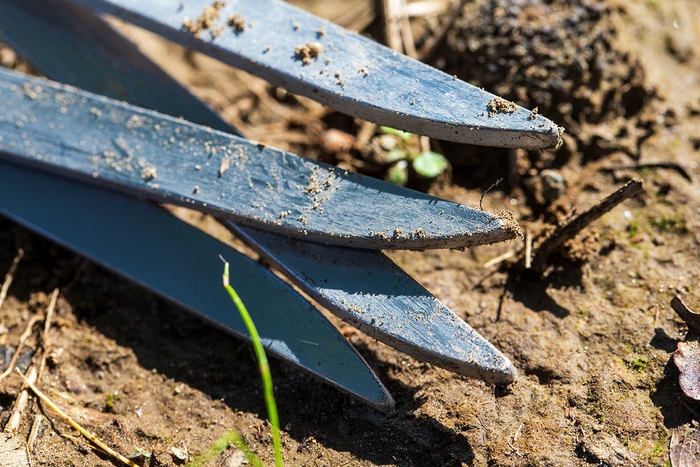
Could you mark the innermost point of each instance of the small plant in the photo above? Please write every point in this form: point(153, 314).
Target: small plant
point(664, 224)
point(220, 445)
point(632, 229)
point(264, 371)
point(398, 148)
point(638, 364)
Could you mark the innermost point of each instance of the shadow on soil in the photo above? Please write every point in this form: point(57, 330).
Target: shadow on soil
point(182, 348)
point(531, 290)
point(676, 408)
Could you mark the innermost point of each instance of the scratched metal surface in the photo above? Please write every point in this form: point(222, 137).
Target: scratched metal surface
point(352, 74)
point(113, 144)
point(63, 39)
point(148, 245)
point(367, 290)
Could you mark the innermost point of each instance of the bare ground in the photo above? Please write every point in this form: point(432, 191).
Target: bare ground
point(591, 339)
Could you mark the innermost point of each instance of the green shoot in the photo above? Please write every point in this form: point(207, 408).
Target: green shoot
point(220, 445)
point(262, 363)
point(430, 164)
point(404, 135)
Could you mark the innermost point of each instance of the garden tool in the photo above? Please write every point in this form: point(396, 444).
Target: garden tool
point(85, 171)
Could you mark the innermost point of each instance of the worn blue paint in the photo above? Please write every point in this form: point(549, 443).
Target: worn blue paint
point(367, 290)
point(70, 44)
point(132, 150)
point(363, 287)
point(353, 74)
point(148, 245)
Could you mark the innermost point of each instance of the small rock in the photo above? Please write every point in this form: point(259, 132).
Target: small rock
point(553, 185)
point(334, 141)
point(180, 454)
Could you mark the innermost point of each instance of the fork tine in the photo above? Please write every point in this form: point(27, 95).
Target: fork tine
point(151, 247)
point(313, 57)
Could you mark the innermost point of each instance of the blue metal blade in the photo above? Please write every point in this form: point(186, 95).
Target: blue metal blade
point(367, 290)
point(148, 245)
point(70, 44)
point(143, 153)
point(351, 74)
point(351, 283)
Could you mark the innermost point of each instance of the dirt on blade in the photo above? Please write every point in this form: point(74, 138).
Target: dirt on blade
point(592, 339)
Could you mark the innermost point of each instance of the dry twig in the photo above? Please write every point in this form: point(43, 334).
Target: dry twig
point(391, 10)
point(494, 185)
point(12, 424)
point(409, 43)
point(93, 439)
point(10, 274)
point(528, 248)
point(653, 165)
point(45, 337)
point(25, 335)
point(499, 259)
point(565, 233)
point(36, 425)
point(691, 318)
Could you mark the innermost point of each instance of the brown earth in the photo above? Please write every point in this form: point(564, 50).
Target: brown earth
point(591, 340)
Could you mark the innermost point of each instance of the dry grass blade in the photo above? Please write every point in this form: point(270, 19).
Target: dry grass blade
point(32, 374)
point(391, 11)
point(409, 43)
point(499, 259)
point(10, 274)
point(93, 439)
point(34, 431)
point(45, 337)
point(570, 230)
point(20, 404)
point(528, 248)
point(25, 335)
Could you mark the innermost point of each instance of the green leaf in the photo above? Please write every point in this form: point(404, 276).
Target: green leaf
point(398, 173)
point(404, 135)
point(430, 164)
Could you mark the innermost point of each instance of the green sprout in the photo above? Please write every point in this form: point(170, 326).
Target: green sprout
point(263, 365)
point(665, 224)
point(429, 164)
point(404, 159)
point(404, 135)
point(398, 173)
point(220, 445)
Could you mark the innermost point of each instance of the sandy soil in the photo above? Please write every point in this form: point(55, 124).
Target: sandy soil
point(591, 339)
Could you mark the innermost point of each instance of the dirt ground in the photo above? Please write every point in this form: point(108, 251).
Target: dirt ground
point(591, 339)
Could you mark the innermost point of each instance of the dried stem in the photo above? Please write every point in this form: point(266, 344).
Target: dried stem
point(77, 426)
point(20, 403)
point(565, 233)
point(691, 318)
point(528, 248)
point(391, 10)
point(25, 335)
point(653, 165)
point(409, 43)
point(34, 431)
point(10, 274)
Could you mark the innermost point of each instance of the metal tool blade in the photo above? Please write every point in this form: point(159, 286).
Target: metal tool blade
point(70, 44)
point(144, 153)
point(367, 290)
point(313, 57)
point(407, 318)
point(173, 259)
